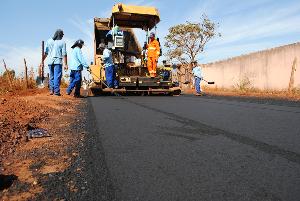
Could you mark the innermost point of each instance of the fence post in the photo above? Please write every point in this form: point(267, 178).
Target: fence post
point(8, 74)
point(26, 74)
point(43, 65)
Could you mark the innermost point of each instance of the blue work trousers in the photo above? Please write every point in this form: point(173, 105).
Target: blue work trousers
point(110, 74)
point(176, 84)
point(75, 81)
point(55, 78)
point(197, 85)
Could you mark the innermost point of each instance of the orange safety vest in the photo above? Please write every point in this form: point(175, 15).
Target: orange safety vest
point(153, 49)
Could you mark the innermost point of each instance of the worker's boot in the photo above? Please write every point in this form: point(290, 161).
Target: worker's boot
point(152, 75)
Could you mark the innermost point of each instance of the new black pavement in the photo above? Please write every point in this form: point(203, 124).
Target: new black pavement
point(197, 148)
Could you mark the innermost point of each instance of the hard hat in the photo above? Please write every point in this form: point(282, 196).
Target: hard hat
point(101, 46)
point(58, 35)
point(78, 42)
point(152, 34)
point(120, 7)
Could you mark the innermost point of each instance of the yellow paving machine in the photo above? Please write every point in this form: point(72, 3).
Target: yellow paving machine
point(128, 55)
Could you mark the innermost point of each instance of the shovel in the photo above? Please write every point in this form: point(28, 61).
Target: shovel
point(208, 82)
point(187, 82)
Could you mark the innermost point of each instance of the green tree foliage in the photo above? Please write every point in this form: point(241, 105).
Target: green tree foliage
point(185, 41)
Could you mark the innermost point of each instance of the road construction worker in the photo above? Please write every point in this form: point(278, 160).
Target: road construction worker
point(55, 50)
point(144, 55)
point(153, 52)
point(110, 71)
point(77, 63)
point(197, 72)
point(175, 75)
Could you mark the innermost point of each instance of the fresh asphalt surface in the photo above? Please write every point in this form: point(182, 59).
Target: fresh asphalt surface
point(198, 148)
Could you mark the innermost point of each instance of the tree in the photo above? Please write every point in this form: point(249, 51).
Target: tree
point(185, 41)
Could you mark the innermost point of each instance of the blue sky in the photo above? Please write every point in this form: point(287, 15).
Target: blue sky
point(246, 26)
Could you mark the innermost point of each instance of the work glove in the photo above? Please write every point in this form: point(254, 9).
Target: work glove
point(66, 68)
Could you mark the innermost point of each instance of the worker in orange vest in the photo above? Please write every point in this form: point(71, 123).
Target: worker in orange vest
point(153, 52)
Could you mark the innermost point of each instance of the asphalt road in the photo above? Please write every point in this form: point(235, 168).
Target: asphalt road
point(199, 148)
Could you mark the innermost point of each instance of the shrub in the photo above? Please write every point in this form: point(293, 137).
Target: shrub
point(9, 82)
point(244, 84)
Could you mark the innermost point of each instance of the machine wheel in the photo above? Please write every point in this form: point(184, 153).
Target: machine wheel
point(176, 92)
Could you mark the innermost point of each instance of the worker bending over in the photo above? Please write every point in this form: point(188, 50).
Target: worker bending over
point(153, 52)
point(77, 62)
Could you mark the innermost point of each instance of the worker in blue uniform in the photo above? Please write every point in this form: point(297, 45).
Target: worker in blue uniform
point(77, 63)
point(110, 70)
point(55, 50)
point(197, 72)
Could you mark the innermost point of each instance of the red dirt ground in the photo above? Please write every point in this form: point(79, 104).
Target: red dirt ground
point(277, 95)
point(34, 109)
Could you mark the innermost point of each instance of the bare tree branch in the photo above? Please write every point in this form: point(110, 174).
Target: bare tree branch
point(185, 41)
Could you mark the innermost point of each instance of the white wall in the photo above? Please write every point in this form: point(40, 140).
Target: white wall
point(266, 70)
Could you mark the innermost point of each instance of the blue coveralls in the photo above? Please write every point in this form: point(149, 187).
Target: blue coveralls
point(197, 72)
point(110, 71)
point(175, 77)
point(55, 50)
point(77, 62)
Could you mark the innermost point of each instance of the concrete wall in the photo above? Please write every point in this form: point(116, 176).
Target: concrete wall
point(265, 70)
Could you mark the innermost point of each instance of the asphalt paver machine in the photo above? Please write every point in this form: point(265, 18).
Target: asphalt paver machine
point(117, 34)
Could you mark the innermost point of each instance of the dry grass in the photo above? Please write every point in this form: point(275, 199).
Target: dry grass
point(252, 92)
point(19, 83)
point(9, 83)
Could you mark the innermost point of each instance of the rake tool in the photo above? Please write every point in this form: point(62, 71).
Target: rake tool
point(90, 71)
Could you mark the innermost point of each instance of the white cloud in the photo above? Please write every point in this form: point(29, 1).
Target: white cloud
point(85, 27)
point(248, 26)
point(14, 57)
point(229, 51)
point(260, 25)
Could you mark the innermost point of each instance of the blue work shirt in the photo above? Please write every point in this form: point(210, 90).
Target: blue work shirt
point(197, 72)
point(107, 57)
point(77, 61)
point(56, 50)
point(174, 75)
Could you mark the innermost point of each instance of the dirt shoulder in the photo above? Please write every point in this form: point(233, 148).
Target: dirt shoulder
point(26, 166)
point(272, 97)
point(280, 95)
